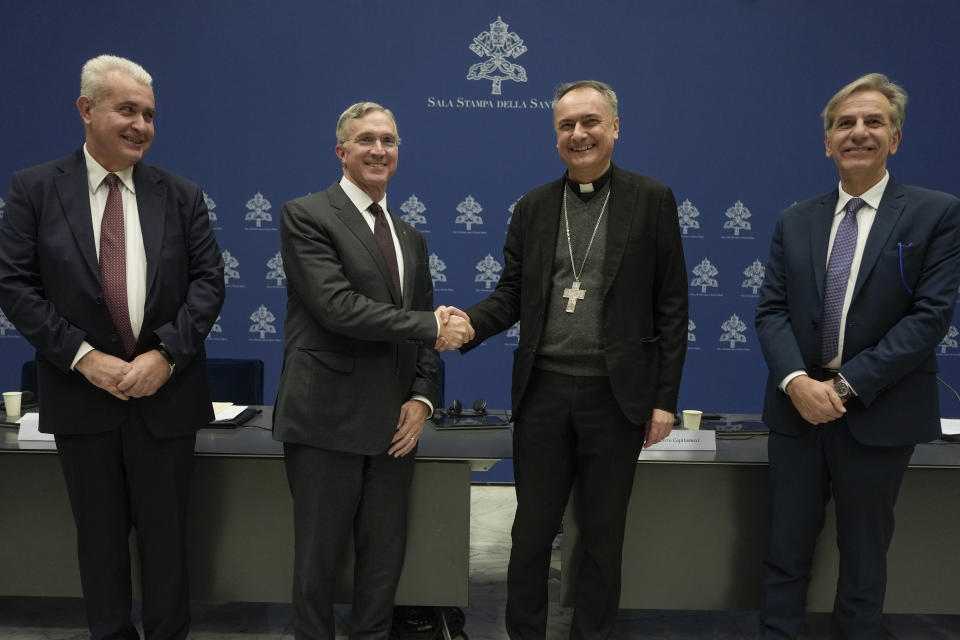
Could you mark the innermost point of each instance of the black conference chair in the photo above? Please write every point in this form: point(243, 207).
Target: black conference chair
point(234, 380)
point(28, 377)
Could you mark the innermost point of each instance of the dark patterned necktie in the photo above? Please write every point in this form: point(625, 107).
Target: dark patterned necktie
point(113, 264)
point(381, 232)
point(838, 273)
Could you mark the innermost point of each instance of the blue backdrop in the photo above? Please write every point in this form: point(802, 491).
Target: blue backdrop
point(719, 99)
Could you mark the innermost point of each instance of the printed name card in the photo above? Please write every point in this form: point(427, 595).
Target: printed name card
point(687, 440)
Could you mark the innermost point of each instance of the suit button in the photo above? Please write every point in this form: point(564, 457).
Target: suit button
point(99, 300)
point(114, 337)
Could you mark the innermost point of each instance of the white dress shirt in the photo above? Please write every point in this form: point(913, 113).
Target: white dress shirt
point(361, 201)
point(136, 255)
point(865, 217)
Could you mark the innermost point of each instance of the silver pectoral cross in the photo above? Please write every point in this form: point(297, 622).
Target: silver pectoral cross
point(573, 294)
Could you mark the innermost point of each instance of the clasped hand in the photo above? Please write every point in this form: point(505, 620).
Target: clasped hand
point(455, 328)
point(141, 377)
point(816, 401)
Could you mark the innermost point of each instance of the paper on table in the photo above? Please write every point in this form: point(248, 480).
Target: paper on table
point(220, 406)
point(30, 428)
point(950, 426)
point(229, 412)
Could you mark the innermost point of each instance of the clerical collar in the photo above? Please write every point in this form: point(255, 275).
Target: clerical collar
point(587, 190)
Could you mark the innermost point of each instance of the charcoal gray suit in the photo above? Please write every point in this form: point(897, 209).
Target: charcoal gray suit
point(353, 355)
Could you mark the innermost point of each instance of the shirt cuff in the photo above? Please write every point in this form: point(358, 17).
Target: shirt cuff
point(85, 348)
point(424, 400)
point(790, 376)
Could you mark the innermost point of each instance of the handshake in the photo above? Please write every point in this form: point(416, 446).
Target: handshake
point(455, 328)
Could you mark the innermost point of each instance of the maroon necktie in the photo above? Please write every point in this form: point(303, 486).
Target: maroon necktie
point(381, 232)
point(113, 264)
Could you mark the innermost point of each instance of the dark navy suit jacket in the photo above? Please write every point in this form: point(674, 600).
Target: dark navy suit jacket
point(901, 308)
point(50, 289)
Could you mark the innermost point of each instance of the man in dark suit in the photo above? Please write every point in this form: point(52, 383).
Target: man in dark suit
point(859, 290)
point(359, 377)
point(594, 272)
point(109, 267)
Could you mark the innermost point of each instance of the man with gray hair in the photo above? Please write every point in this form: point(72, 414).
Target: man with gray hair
point(594, 272)
point(859, 290)
point(110, 269)
point(359, 378)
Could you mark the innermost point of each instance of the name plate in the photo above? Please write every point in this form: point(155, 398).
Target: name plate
point(687, 440)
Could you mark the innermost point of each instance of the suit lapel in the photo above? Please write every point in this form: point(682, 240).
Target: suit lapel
point(353, 219)
point(891, 208)
point(822, 221)
point(74, 193)
point(545, 227)
point(623, 202)
point(151, 196)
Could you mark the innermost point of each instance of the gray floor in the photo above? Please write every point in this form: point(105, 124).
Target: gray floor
point(491, 514)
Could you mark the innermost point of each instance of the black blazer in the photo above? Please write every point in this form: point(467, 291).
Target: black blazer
point(644, 292)
point(352, 353)
point(902, 303)
point(50, 289)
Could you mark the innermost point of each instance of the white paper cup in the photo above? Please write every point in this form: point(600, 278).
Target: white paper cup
point(691, 418)
point(11, 402)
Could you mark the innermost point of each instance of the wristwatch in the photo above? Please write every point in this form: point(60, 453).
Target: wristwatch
point(162, 348)
point(842, 389)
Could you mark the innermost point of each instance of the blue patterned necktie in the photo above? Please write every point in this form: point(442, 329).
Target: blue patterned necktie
point(838, 273)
